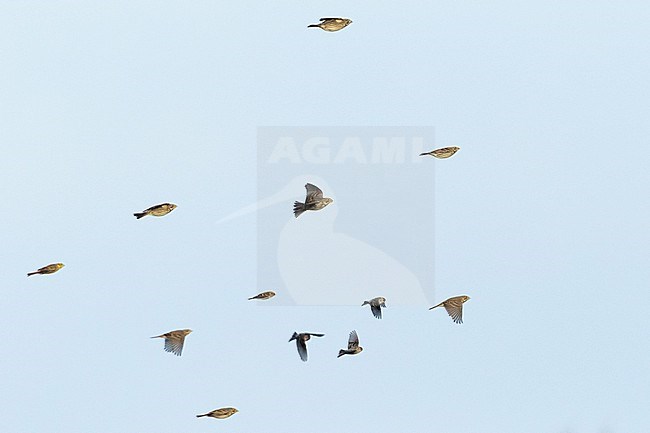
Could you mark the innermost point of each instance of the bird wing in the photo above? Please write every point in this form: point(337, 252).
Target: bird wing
point(152, 208)
point(376, 311)
point(353, 341)
point(174, 344)
point(314, 193)
point(326, 19)
point(302, 348)
point(454, 307)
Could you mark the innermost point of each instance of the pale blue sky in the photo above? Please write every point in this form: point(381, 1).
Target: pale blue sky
point(542, 217)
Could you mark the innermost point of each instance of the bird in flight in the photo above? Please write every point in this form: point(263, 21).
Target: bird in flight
point(313, 201)
point(301, 342)
point(263, 295)
point(442, 153)
point(454, 307)
point(332, 24)
point(353, 345)
point(223, 413)
point(157, 210)
point(174, 340)
point(49, 269)
point(375, 306)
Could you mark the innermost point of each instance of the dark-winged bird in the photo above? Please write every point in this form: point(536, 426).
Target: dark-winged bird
point(263, 296)
point(353, 345)
point(174, 340)
point(332, 24)
point(313, 201)
point(375, 306)
point(454, 307)
point(223, 413)
point(301, 342)
point(157, 210)
point(442, 153)
point(49, 269)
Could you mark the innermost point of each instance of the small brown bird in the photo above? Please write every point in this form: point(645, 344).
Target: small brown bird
point(454, 307)
point(223, 413)
point(49, 269)
point(313, 201)
point(443, 153)
point(174, 340)
point(263, 296)
point(332, 24)
point(353, 345)
point(301, 342)
point(375, 306)
point(157, 210)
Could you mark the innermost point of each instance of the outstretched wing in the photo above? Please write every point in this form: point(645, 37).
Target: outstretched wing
point(302, 348)
point(353, 341)
point(454, 307)
point(313, 193)
point(174, 344)
point(376, 311)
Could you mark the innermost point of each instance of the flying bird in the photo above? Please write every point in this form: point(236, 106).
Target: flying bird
point(301, 342)
point(454, 307)
point(223, 413)
point(332, 24)
point(157, 210)
point(442, 153)
point(174, 340)
point(375, 306)
point(353, 345)
point(263, 296)
point(49, 269)
point(313, 201)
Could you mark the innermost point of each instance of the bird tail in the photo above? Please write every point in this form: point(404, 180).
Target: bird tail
point(436, 306)
point(294, 336)
point(139, 214)
point(32, 273)
point(425, 153)
point(365, 303)
point(298, 208)
point(313, 25)
point(254, 297)
point(199, 416)
point(157, 336)
point(341, 353)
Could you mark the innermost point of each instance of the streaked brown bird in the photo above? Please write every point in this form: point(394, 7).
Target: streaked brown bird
point(301, 342)
point(313, 201)
point(49, 269)
point(263, 295)
point(454, 307)
point(353, 345)
point(157, 210)
point(174, 340)
point(332, 24)
point(442, 153)
point(223, 413)
point(375, 306)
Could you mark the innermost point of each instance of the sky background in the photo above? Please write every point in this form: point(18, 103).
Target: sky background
point(107, 108)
